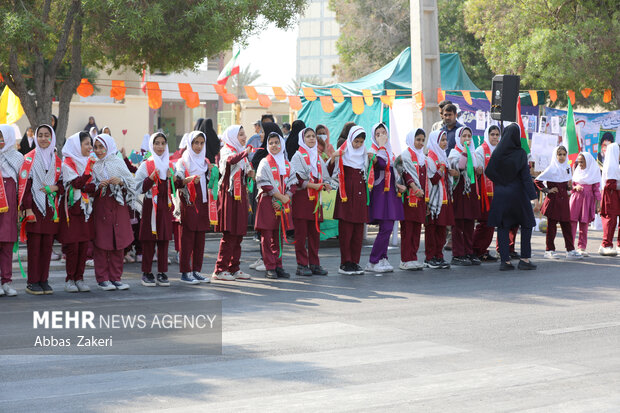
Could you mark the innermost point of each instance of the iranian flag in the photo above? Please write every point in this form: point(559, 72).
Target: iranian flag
point(524, 143)
point(231, 69)
point(571, 135)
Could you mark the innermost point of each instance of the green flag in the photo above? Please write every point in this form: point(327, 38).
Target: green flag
point(571, 133)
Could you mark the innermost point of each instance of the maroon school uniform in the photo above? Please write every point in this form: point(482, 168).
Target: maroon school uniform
point(194, 224)
point(415, 216)
point(351, 215)
point(466, 209)
point(269, 224)
point(435, 228)
point(556, 207)
point(163, 227)
point(8, 234)
point(610, 210)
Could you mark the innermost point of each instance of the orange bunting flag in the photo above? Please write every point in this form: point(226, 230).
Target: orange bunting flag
point(154, 93)
point(264, 101)
point(229, 98)
point(187, 93)
point(467, 96)
point(1, 78)
point(309, 94)
point(419, 100)
point(489, 95)
point(441, 95)
point(327, 104)
point(553, 95)
point(607, 96)
point(358, 104)
point(337, 95)
point(85, 89)
point(279, 93)
point(294, 102)
point(368, 96)
point(251, 92)
point(220, 89)
point(534, 97)
point(571, 96)
point(387, 100)
point(586, 92)
point(118, 90)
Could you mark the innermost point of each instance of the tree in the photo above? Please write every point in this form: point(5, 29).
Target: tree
point(386, 31)
point(551, 44)
point(245, 77)
point(40, 36)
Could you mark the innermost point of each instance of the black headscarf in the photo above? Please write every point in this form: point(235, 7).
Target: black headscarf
point(24, 144)
point(607, 136)
point(212, 144)
point(90, 125)
point(262, 152)
point(55, 122)
point(508, 158)
point(198, 123)
point(292, 142)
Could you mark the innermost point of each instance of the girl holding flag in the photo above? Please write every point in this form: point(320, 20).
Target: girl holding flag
point(385, 204)
point(10, 164)
point(351, 208)
point(40, 186)
point(411, 166)
point(273, 211)
point(113, 197)
point(198, 206)
point(483, 234)
point(439, 199)
point(232, 202)
point(610, 204)
point(76, 227)
point(465, 198)
point(555, 182)
point(152, 179)
point(584, 197)
point(309, 177)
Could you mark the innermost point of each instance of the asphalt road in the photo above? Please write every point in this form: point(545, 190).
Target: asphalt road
point(466, 339)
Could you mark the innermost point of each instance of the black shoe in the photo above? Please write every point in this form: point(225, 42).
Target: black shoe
point(281, 273)
point(34, 289)
point(505, 266)
point(515, 256)
point(357, 268)
point(463, 261)
point(47, 289)
point(523, 265)
point(303, 271)
point(271, 274)
point(486, 257)
point(347, 268)
point(162, 280)
point(148, 279)
point(474, 259)
point(432, 263)
point(317, 270)
point(443, 264)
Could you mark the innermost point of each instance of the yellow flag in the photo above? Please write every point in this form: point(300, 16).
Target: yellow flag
point(10, 107)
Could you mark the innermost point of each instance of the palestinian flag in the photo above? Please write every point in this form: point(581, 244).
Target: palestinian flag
point(524, 143)
point(231, 69)
point(571, 135)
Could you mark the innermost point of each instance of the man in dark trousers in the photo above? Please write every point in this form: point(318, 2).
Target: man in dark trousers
point(450, 125)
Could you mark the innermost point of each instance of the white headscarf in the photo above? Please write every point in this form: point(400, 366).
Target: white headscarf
point(145, 143)
point(10, 159)
point(313, 152)
point(185, 142)
point(472, 148)
point(556, 171)
point(111, 150)
point(73, 149)
point(279, 157)
point(47, 154)
point(354, 158)
point(162, 162)
point(486, 137)
point(591, 174)
point(104, 128)
point(611, 168)
point(410, 141)
point(433, 145)
point(231, 137)
point(196, 162)
point(113, 166)
point(93, 132)
point(388, 146)
point(8, 135)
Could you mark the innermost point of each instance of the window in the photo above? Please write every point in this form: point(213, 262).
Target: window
point(330, 28)
point(213, 63)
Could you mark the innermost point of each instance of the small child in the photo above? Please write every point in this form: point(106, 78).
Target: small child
point(610, 203)
point(584, 197)
point(556, 205)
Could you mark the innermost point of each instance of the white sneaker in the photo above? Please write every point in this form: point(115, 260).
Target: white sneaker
point(256, 263)
point(370, 267)
point(583, 253)
point(70, 287)
point(551, 255)
point(240, 275)
point(574, 255)
point(386, 265)
point(411, 266)
point(55, 256)
point(120, 285)
point(617, 250)
point(7, 288)
point(106, 286)
point(607, 251)
point(82, 286)
point(261, 267)
point(1, 292)
point(223, 276)
point(90, 263)
point(139, 258)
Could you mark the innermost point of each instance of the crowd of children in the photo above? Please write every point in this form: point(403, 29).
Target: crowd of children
point(88, 197)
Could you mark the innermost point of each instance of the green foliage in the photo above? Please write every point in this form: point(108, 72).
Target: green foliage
point(552, 44)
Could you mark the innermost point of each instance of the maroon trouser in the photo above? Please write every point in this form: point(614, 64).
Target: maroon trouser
point(434, 240)
point(148, 251)
point(462, 237)
point(230, 253)
point(108, 264)
point(6, 261)
point(567, 232)
point(192, 250)
point(609, 228)
point(350, 237)
point(305, 230)
point(409, 240)
point(39, 256)
point(270, 245)
point(75, 254)
point(483, 236)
